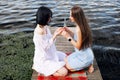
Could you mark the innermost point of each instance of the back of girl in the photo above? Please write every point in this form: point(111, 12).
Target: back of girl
point(81, 40)
point(47, 60)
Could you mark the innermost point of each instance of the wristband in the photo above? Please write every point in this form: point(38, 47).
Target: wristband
point(69, 38)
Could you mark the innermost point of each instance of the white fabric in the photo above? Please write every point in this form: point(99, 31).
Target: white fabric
point(47, 60)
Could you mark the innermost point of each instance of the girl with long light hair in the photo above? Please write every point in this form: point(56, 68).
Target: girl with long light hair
point(81, 40)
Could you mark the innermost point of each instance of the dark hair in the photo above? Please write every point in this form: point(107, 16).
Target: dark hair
point(43, 15)
point(79, 17)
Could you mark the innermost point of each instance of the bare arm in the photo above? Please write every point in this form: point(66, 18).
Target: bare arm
point(69, 31)
point(76, 43)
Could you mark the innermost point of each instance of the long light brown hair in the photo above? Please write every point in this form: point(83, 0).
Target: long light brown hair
point(80, 19)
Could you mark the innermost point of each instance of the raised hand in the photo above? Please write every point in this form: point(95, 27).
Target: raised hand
point(65, 34)
point(58, 31)
point(66, 29)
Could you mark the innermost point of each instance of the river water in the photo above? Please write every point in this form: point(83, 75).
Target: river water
point(104, 19)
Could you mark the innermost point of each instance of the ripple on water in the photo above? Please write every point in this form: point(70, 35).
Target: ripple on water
point(25, 10)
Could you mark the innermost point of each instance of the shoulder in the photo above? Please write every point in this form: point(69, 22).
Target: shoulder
point(78, 31)
point(39, 31)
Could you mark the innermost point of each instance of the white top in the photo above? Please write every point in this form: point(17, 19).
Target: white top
point(47, 60)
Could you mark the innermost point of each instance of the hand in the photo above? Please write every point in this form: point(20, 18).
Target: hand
point(65, 34)
point(66, 29)
point(58, 31)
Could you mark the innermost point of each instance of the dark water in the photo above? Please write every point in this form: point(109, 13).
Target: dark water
point(104, 16)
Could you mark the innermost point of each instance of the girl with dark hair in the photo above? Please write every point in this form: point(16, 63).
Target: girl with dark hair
point(82, 40)
point(47, 60)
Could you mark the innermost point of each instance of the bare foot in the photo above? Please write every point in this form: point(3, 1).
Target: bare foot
point(91, 69)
